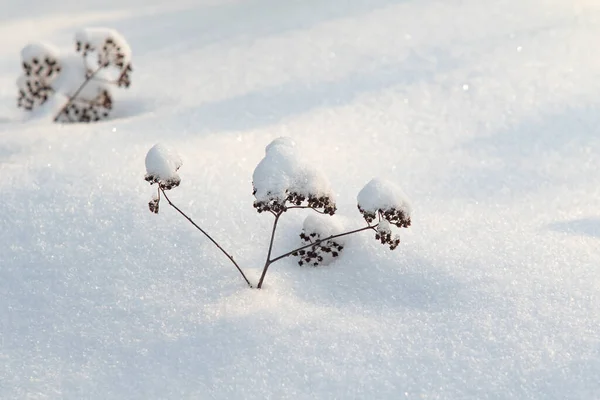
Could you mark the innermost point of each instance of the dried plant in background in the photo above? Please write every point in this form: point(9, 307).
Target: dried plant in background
point(75, 87)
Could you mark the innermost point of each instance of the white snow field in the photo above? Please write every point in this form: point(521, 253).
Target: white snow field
point(486, 113)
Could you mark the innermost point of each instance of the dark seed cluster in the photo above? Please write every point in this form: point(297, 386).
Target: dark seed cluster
point(88, 111)
point(273, 205)
point(385, 237)
point(38, 72)
point(165, 184)
point(317, 202)
point(324, 203)
point(393, 215)
point(109, 54)
point(153, 205)
point(314, 255)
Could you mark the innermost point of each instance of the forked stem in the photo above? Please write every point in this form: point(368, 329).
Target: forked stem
point(270, 260)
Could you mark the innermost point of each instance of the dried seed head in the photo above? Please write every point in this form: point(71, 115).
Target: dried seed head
point(315, 233)
point(153, 205)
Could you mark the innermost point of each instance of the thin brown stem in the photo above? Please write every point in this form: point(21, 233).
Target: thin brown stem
point(79, 89)
point(317, 242)
point(306, 207)
point(207, 235)
point(268, 262)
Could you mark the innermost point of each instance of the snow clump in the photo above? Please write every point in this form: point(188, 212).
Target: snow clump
point(162, 165)
point(317, 228)
point(41, 66)
point(283, 179)
point(385, 201)
point(384, 198)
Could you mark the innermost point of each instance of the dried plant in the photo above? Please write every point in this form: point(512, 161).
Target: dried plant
point(280, 184)
point(102, 60)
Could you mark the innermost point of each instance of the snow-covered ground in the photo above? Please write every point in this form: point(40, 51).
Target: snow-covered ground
point(486, 113)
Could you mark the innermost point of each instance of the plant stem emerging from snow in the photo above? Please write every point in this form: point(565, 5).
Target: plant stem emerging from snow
point(268, 262)
point(208, 236)
point(79, 89)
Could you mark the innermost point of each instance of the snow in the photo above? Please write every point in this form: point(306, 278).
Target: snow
point(322, 225)
point(47, 111)
point(106, 48)
point(383, 227)
point(66, 75)
point(379, 195)
point(39, 50)
point(73, 75)
point(314, 228)
point(162, 164)
point(283, 172)
point(492, 294)
point(98, 38)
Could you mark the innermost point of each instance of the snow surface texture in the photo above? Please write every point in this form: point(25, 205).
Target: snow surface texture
point(486, 112)
point(283, 175)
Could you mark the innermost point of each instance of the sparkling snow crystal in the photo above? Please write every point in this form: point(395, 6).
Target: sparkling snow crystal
point(316, 228)
point(283, 176)
point(162, 165)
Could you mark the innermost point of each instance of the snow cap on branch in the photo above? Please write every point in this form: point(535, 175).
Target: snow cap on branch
point(386, 199)
point(93, 39)
point(38, 51)
point(323, 226)
point(283, 176)
point(41, 66)
point(162, 165)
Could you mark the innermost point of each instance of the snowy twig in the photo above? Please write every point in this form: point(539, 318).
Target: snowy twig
point(79, 89)
point(307, 208)
point(319, 241)
point(295, 251)
point(207, 235)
